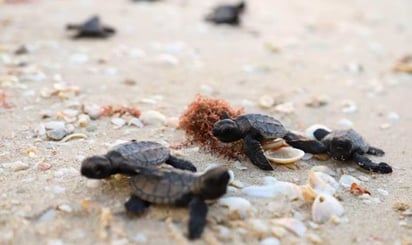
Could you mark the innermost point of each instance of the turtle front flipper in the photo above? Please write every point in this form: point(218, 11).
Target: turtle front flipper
point(136, 205)
point(367, 164)
point(375, 151)
point(254, 152)
point(197, 220)
point(180, 164)
point(306, 145)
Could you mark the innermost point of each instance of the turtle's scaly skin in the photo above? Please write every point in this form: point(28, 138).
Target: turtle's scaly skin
point(358, 143)
point(267, 126)
point(166, 187)
point(142, 153)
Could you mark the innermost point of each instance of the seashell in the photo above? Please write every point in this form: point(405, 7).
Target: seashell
point(231, 176)
point(322, 183)
point(237, 184)
point(280, 188)
point(172, 122)
point(358, 190)
point(345, 123)
point(284, 155)
point(43, 166)
point(325, 207)
point(393, 116)
point(56, 134)
point(153, 118)
point(274, 144)
point(239, 166)
point(383, 192)
point(269, 180)
point(311, 129)
point(239, 208)
point(65, 208)
point(308, 194)
point(258, 227)
point(319, 101)
point(93, 111)
point(266, 101)
point(74, 136)
point(136, 122)
point(53, 125)
point(15, 166)
point(323, 169)
point(119, 122)
point(83, 120)
point(347, 181)
point(285, 108)
point(349, 106)
point(70, 113)
point(294, 225)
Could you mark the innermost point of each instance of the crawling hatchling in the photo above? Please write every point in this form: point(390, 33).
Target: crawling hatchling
point(127, 157)
point(256, 129)
point(178, 188)
point(348, 145)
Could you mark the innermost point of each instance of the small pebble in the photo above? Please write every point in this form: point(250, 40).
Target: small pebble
point(153, 118)
point(65, 208)
point(56, 134)
point(319, 101)
point(384, 126)
point(383, 192)
point(345, 123)
point(266, 101)
point(349, 106)
point(363, 178)
point(16, 166)
point(270, 241)
point(135, 122)
point(285, 108)
point(43, 166)
point(238, 207)
point(393, 116)
point(53, 125)
point(83, 120)
point(47, 215)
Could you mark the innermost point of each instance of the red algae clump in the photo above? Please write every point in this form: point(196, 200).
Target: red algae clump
point(198, 120)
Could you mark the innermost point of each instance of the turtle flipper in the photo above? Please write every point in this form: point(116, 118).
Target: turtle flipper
point(375, 151)
point(180, 163)
point(367, 164)
point(136, 205)
point(254, 152)
point(308, 146)
point(320, 133)
point(197, 220)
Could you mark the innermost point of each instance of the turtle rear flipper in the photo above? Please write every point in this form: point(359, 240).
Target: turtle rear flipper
point(375, 151)
point(254, 152)
point(180, 164)
point(367, 164)
point(136, 205)
point(197, 220)
point(308, 146)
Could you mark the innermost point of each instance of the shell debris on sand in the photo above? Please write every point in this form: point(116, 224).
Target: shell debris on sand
point(154, 118)
point(347, 181)
point(294, 225)
point(278, 189)
point(284, 155)
point(326, 207)
point(322, 183)
point(239, 208)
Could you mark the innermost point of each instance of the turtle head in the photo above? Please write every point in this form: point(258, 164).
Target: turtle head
point(96, 167)
point(341, 149)
point(213, 183)
point(227, 130)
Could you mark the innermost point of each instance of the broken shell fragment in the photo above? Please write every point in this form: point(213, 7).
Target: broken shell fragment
point(358, 190)
point(322, 183)
point(239, 208)
point(325, 207)
point(280, 188)
point(74, 136)
point(294, 225)
point(266, 101)
point(274, 144)
point(153, 118)
point(347, 181)
point(284, 155)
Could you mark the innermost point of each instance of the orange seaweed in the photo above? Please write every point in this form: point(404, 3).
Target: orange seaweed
point(198, 120)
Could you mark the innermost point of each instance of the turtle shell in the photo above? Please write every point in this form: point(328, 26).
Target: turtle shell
point(142, 153)
point(163, 186)
point(268, 127)
point(348, 134)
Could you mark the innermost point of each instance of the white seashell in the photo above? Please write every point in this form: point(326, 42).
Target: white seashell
point(231, 189)
point(237, 206)
point(280, 188)
point(322, 183)
point(325, 207)
point(393, 116)
point(79, 58)
point(119, 122)
point(53, 125)
point(74, 136)
point(384, 126)
point(349, 106)
point(285, 155)
point(70, 112)
point(47, 215)
point(65, 208)
point(239, 166)
point(270, 241)
point(307, 156)
point(274, 144)
point(237, 184)
point(83, 120)
point(383, 192)
point(347, 180)
point(258, 226)
point(93, 111)
point(15, 166)
point(345, 123)
point(266, 101)
point(153, 118)
point(136, 122)
point(285, 108)
point(294, 225)
point(311, 129)
point(363, 178)
point(231, 176)
point(269, 180)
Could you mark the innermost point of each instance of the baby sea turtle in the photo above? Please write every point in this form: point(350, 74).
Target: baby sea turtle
point(347, 144)
point(226, 14)
point(92, 28)
point(125, 158)
point(178, 188)
point(255, 129)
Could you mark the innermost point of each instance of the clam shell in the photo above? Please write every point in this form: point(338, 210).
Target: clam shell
point(274, 144)
point(284, 155)
point(322, 183)
point(280, 188)
point(325, 207)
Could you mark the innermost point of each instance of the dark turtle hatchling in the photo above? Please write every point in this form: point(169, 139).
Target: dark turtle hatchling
point(347, 144)
point(226, 14)
point(125, 158)
point(255, 129)
point(178, 188)
point(92, 28)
